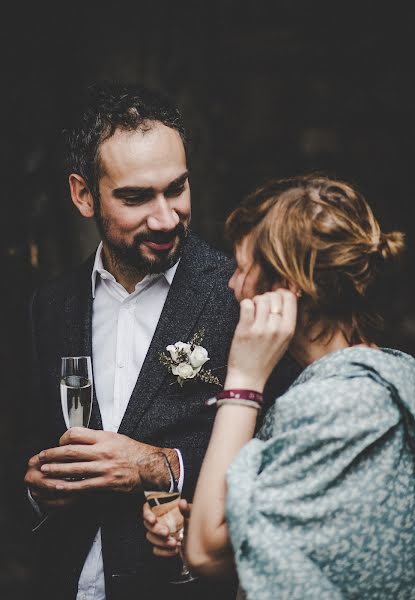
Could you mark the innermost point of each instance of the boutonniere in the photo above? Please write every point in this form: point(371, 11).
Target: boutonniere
point(185, 360)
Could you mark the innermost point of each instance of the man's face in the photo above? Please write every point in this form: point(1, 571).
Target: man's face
point(144, 208)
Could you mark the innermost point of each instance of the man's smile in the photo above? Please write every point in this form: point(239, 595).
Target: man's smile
point(161, 247)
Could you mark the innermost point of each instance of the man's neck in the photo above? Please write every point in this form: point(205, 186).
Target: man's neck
point(125, 275)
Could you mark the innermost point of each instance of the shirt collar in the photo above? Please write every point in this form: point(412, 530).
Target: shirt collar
point(99, 269)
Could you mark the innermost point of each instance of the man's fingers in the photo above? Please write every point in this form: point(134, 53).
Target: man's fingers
point(93, 483)
point(34, 461)
point(67, 454)
point(148, 515)
point(157, 529)
point(40, 485)
point(164, 553)
point(80, 435)
point(72, 469)
point(166, 542)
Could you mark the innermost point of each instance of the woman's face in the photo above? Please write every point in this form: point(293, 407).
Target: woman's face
point(247, 273)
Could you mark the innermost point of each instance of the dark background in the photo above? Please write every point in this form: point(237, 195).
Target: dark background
point(267, 89)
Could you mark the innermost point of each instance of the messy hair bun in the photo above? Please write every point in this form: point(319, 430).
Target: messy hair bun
point(391, 245)
point(321, 235)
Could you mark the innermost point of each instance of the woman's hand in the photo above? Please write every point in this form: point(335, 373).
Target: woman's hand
point(262, 336)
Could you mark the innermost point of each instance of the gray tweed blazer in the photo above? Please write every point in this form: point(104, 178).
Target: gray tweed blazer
point(158, 413)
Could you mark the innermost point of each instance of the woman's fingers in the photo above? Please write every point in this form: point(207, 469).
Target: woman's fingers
point(262, 308)
point(289, 312)
point(276, 304)
point(247, 312)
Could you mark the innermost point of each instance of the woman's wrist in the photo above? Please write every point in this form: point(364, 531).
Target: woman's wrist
point(238, 380)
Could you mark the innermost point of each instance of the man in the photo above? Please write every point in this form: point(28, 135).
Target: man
point(151, 283)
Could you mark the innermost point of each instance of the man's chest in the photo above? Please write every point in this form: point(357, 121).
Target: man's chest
point(121, 336)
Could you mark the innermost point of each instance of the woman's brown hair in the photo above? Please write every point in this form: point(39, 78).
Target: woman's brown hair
point(321, 235)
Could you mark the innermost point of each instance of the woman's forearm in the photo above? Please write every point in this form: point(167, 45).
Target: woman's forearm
point(265, 328)
point(208, 548)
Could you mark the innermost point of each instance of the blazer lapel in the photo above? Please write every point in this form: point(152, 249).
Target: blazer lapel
point(78, 327)
point(188, 294)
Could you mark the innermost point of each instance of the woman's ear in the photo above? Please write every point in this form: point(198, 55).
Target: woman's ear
point(81, 196)
point(295, 289)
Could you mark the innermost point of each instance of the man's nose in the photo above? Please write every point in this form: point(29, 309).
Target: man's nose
point(163, 217)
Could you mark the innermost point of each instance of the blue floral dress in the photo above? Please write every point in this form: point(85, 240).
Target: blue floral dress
point(321, 505)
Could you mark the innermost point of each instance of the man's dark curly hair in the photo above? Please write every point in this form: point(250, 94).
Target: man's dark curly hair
point(106, 108)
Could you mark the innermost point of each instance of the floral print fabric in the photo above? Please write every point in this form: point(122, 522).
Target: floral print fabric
point(321, 505)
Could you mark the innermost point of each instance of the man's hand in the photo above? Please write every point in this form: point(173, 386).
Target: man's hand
point(107, 461)
point(159, 534)
point(43, 488)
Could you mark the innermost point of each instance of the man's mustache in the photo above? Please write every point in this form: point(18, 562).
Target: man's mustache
point(161, 237)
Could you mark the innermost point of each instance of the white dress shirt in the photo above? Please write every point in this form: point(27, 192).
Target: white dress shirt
point(123, 326)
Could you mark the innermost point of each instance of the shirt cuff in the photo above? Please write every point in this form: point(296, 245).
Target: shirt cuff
point(39, 513)
point(181, 472)
point(34, 504)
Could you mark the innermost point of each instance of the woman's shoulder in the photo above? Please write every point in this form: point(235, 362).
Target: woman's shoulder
point(356, 383)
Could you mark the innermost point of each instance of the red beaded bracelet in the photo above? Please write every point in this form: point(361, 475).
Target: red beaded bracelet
point(241, 395)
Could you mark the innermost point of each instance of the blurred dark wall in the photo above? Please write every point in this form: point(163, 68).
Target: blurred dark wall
point(272, 89)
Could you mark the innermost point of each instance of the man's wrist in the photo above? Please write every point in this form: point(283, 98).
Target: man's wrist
point(35, 503)
point(174, 461)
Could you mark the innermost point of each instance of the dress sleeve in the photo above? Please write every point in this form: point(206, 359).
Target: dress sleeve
point(296, 500)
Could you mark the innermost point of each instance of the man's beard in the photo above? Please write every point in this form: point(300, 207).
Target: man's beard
point(130, 256)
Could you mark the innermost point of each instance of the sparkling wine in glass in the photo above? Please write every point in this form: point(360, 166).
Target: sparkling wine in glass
point(76, 390)
point(163, 496)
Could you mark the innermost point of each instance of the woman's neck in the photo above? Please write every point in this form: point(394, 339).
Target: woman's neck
point(306, 352)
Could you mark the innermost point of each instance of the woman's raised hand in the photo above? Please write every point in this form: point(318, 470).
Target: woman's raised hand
point(266, 326)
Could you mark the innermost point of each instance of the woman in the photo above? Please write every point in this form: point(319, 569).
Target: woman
point(321, 504)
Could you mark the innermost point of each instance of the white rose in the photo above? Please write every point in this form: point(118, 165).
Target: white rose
point(184, 371)
point(176, 348)
point(199, 356)
point(184, 347)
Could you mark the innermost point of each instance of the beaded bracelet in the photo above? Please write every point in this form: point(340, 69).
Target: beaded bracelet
point(238, 396)
point(249, 403)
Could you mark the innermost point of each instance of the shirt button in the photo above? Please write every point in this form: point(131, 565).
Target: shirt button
point(120, 365)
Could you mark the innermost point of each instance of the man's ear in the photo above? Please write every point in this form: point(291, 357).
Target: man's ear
point(81, 196)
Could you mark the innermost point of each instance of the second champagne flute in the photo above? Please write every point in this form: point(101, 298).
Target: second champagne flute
point(162, 494)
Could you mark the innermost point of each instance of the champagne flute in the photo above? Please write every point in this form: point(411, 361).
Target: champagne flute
point(163, 496)
point(76, 390)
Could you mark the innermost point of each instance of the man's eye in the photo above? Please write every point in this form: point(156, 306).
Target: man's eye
point(134, 200)
point(176, 191)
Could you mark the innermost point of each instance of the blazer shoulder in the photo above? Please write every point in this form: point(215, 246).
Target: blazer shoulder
point(67, 283)
point(207, 256)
